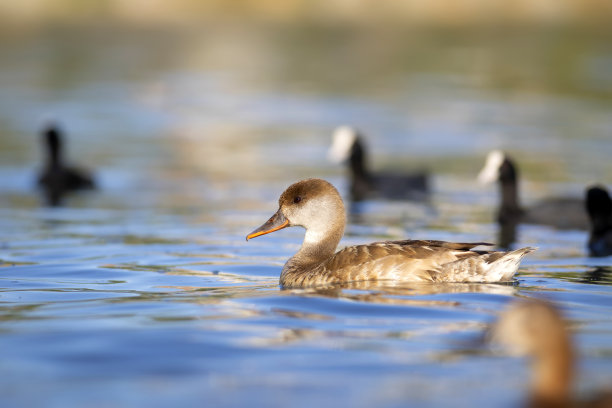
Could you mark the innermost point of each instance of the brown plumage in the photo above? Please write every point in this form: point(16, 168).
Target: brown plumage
point(316, 205)
point(535, 328)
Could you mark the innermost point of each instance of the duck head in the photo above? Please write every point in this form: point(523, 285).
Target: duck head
point(498, 167)
point(528, 327)
point(348, 147)
point(598, 203)
point(343, 141)
point(313, 204)
point(599, 209)
point(536, 329)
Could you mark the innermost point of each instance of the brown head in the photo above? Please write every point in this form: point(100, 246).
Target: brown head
point(313, 204)
point(536, 329)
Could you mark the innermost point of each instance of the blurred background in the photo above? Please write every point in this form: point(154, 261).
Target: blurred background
point(193, 116)
point(228, 90)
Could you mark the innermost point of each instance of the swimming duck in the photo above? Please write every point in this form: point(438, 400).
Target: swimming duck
point(535, 328)
point(316, 205)
point(563, 213)
point(348, 146)
point(599, 208)
point(57, 178)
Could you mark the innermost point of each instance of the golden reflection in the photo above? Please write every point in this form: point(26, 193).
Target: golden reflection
point(301, 315)
point(225, 292)
point(380, 292)
point(389, 292)
point(227, 306)
point(288, 336)
point(223, 277)
point(4, 264)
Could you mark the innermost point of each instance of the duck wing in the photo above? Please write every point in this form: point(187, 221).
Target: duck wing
point(422, 261)
point(424, 243)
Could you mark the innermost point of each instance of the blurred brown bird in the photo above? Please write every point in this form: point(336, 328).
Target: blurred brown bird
point(535, 328)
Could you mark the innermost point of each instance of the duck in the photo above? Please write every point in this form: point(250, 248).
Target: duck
point(316, 205)
point(599, 209)
point(348, 146)
point(57, 178)
point(536, 328)
point(561, 212)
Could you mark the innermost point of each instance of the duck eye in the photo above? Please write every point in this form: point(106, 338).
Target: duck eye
point(297, 199)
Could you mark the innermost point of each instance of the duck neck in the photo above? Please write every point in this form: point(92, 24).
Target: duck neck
point(509, 196)
point(54, 149)
point(552, 374)
point(357, 161)
point(600, 225)
point(508, 183)
point(315, 250)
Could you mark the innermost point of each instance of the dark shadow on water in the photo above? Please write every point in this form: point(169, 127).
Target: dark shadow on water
point(601, 275)
point(592, 275)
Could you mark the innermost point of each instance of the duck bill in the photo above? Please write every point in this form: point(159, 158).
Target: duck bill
point(275, 223)
point(490, 171)
point(487, 175)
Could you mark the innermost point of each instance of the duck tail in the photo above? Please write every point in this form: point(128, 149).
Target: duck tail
point(504, 265)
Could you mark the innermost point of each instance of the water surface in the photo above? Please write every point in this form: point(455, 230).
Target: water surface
point(146, 293)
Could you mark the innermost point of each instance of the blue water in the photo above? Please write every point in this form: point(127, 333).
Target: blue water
point(145, 291)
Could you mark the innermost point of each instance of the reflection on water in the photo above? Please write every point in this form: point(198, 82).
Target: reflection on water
point(393, 292)
point(506, 235)
point(599, 275)
point(594, 276)
point(145, 293)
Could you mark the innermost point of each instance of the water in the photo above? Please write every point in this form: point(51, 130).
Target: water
point(146, 293)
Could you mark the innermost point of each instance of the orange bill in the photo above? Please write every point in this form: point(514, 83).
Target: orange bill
point(276, 222)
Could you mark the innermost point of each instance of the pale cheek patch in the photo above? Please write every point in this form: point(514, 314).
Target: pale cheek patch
point(318, 219)
point(342, 143)
point(490, 171)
